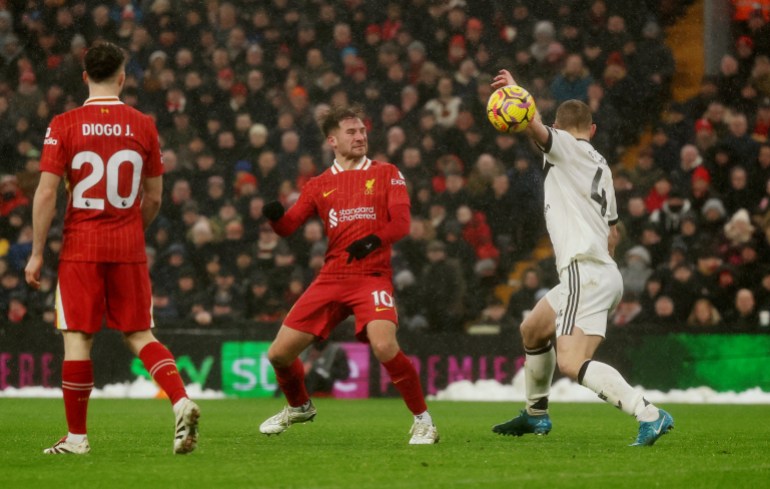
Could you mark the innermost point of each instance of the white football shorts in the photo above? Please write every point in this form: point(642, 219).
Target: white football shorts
point(588, 291)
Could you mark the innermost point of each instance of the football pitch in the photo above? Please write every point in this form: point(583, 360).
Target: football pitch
point(363, 444)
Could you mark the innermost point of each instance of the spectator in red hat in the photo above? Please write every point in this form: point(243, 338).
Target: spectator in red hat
point(245, 184)
point(457, 50)
point(700, 188)
point(704, 135)
point(744, 53)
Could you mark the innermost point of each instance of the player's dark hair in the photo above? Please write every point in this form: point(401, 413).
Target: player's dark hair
point(574, 114)
point(103, 61)
point(339, 113)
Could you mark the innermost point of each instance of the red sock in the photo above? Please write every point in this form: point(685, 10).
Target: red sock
point(406, 380)
point(161, 365)
point(77, 380)
point(291, 380)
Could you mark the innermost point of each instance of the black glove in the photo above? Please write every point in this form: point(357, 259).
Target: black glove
point(273, 210)
point(359, 249)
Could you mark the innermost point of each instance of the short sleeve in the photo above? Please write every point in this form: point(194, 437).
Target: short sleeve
point(54, 156)
point(557, 147)
point(397, 193)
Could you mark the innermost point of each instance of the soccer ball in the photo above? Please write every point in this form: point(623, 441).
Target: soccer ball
point(510, 108)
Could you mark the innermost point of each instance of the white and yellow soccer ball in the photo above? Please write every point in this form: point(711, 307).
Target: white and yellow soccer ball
point(510, 108)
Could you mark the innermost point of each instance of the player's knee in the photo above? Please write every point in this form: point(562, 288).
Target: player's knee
point(279, 359)
point(535, 335)
point(384, 350)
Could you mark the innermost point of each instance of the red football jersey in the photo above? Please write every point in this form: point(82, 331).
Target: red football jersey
point(103, 150)
point(352, 204)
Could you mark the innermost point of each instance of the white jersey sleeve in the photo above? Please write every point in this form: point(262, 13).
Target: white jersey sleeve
point(579, 199)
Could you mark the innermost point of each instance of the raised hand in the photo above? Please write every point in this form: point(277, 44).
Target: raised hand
point(502, 79)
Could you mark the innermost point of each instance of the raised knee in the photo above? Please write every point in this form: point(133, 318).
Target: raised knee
point(279, 359)
point(384, 350)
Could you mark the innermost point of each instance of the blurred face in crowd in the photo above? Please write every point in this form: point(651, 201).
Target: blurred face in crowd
point(181, 192)
point(313, 231)
point(664, 306)
point(703, 311)
point(738, 178)
point(738, 125)
point(744, 302)
point(266, 161)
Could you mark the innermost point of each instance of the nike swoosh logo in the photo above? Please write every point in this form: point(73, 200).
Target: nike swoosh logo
point(326, 194)
point(380, 309)
point(660, 426)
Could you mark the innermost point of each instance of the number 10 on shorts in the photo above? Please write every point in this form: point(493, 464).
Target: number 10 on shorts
point(382, 300)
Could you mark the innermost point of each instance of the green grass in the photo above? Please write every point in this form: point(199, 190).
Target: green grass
point(363, 444)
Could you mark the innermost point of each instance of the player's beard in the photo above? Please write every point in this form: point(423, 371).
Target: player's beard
point(359, 151)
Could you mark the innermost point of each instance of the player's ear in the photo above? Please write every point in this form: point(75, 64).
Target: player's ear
point(85, 76)
point(332, 140)
point(593, 130)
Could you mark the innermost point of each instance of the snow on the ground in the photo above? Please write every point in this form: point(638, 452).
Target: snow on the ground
point(140, 388)
point(563, 390)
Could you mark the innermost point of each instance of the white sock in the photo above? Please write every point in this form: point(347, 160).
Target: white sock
point(178, 405)
point(538, 375)
point(75, 439)
point(424, 418)
point(610, 386)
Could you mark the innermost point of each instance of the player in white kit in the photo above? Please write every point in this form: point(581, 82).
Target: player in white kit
point(581, 214)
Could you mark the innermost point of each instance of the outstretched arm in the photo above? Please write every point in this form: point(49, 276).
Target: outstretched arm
point(536, 129)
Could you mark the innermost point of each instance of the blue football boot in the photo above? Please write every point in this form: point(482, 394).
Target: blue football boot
point(650, 431)
point(524, 423)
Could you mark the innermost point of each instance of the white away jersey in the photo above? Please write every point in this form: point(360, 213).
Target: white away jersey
point(579, 199)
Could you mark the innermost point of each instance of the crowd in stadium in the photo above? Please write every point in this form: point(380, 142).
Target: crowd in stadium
point(236, 88)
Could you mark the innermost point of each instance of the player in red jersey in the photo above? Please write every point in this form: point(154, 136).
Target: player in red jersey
point(109, 156)
point(365, 209)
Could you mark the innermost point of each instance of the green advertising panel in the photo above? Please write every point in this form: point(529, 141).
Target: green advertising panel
point(246, 371)
point(722, 362)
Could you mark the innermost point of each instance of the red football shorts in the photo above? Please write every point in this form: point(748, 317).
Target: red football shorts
point(329, 300)
point(87, 291)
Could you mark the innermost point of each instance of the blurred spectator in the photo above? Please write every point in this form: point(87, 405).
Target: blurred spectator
point(572, 82)
point(443, 290)
point(704, 317)
point(636, 270)
point(11, 195)
point(627, 310)
point(743, 316)
point(740, 194)
point(521, 302)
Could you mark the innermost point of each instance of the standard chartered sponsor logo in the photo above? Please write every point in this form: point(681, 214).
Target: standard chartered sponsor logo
point(354, 214)
point(357, 213)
